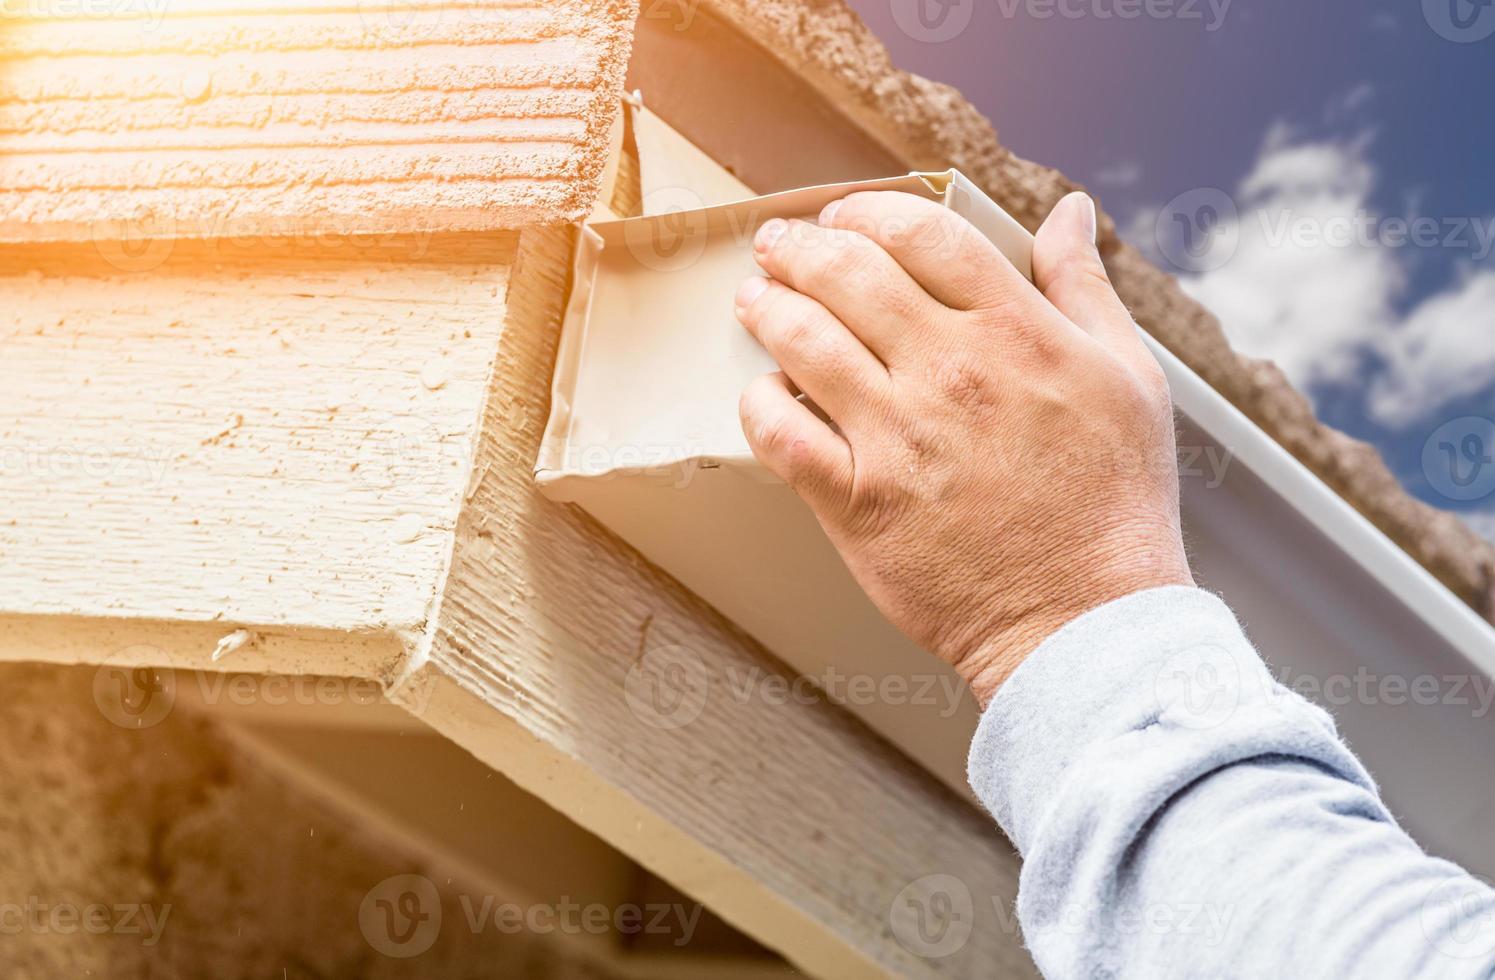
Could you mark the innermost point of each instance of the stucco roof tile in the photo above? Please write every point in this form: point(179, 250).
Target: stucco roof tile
point(248, 117)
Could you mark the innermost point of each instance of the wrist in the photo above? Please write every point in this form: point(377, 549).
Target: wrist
point(1125, 572)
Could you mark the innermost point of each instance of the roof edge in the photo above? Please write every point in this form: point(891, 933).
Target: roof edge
point(931, 126)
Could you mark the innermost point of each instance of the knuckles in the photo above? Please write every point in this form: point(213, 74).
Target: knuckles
point(875, 503)
point(834, 260)
point(779, 440)
point(963, 380)
point(1154, 382)
point(894, 220)
point(797, 332)
point(1137, 395)
point(930, 232)
point(1080, 273)
point(802, 463)
point(775, 434)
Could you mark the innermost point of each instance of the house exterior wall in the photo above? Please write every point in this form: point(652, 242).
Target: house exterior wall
point(169, 852)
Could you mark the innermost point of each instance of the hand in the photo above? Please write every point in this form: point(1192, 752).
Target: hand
point(999, 458)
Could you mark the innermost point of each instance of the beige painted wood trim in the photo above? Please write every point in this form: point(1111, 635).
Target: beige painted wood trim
point(596, 682)
point(263, 433)
point(127, 642)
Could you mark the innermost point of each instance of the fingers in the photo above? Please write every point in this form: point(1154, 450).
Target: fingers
point(943, 252)
point(1068, 269)
point(852, 276)
point(795, 444)
point(825, 360)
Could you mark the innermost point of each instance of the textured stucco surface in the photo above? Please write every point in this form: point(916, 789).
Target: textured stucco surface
point(262, 880)
point(228, 119)
point(931, 125)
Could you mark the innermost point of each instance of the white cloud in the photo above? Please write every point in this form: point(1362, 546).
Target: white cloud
point(1316, 280)
point(1482, 522)
point(1444, 350)
point(1288, 294)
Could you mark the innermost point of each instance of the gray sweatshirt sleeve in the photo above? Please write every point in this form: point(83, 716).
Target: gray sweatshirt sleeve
point(1180, 814)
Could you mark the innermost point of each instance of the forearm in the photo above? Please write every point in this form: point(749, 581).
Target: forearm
point(1181, 814)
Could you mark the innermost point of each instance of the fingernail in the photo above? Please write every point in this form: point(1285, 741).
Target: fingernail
point(770, 233)
point(828, 213)
point(748, 293)
point(1087, 218)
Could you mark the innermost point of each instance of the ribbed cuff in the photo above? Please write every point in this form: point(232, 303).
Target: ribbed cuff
point(1173, 657)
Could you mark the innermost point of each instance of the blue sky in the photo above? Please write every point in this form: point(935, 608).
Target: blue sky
point(1345, 150)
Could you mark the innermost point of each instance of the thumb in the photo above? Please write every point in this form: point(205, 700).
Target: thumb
point(1068, 271)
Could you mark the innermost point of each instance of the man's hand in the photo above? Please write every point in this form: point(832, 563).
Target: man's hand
point(999, 457)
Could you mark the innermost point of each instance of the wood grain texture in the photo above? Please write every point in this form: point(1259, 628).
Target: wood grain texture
point(791, 820)
point(246, 117)
point(254, 432)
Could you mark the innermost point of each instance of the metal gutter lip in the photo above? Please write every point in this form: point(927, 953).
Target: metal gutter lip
point(1360, 540)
